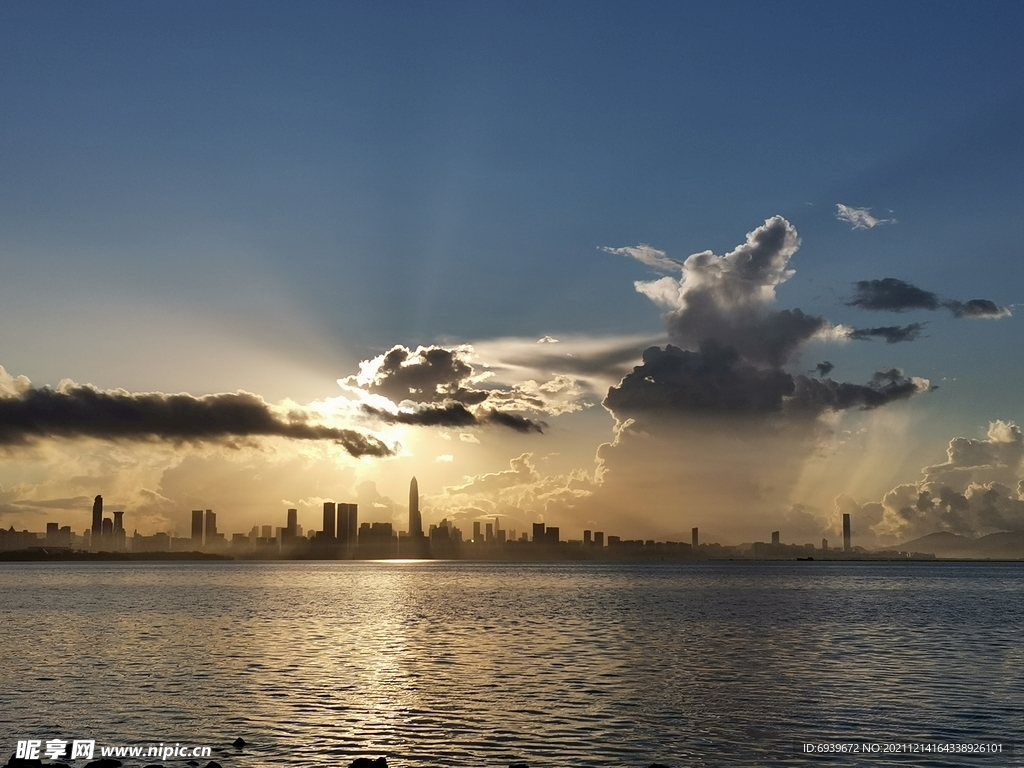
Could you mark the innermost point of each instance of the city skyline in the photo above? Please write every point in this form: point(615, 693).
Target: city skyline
point(272, 261)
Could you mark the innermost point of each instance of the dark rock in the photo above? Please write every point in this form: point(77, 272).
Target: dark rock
point(192, 762)
point(519, 765)
point(213, 764)
point(658, 765)
point(365, 762)
point(104, 762)
point(238, 743)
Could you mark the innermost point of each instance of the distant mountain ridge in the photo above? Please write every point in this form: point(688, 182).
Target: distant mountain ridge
point(1003, 545)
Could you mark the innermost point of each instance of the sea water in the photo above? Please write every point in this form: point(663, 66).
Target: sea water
point(486, 664)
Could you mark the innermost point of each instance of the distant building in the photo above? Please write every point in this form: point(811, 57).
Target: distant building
point(211, 527)
point(599, 539)
point(197, 527)
point(293, 523)
point(775, 538)
point(477, 536)
point(587, 540)
point(415, 520)
point(329, 524)
point(538, 533)
point(824, 545)
point(846, 532)
point(97, 517)
point(694, 538)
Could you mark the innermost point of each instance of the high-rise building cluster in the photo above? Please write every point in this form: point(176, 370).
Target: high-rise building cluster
point(342, 536)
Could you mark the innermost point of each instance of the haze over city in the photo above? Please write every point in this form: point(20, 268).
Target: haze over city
point(594, 266)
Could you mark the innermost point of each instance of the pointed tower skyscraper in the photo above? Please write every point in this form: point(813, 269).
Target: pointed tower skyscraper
point(415, 521)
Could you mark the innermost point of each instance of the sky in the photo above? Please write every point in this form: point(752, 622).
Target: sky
point(631, 268)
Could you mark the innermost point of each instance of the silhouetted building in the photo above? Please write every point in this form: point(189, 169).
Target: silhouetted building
point(352, 522)
point(329, 524)
point(846, 532)
point(293, 523)
point(587, 539)
point(119, 521)
point(824, 545)
point(489, 534)
point(211, 527)
point(599, 539)
point(415, 520)
point(552, 535)
point(694, 538)
point(775, 537)
point(197, 527)
point(477, 536)
point(538, 533)
point(97, 517)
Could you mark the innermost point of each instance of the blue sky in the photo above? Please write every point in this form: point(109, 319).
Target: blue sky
point(206, 197)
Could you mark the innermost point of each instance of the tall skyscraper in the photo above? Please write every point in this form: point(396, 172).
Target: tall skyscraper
point(97, 516)
point(119, 521)
point(342, 526)
point(197, 527)
point(694, 538)
point(329, 525)
point(211, 526)
point(846, 532)
point(293, 523)
point(775, 537)
point(415, 521)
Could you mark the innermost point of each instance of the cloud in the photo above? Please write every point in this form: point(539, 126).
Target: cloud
point(892, 295)
point(715, 381)
point(824, 368)
point(453, 415)
point(978, 490)
point(469, 437)
point(73, 411)
point(860, 218)
point(438, 386)
point(730, 299)
point(446, 458)
point(428, 375)
point(593, 363)
point(547, 340)
point(645, 254)
point(976, 308)
point(892, 334)
point(522, 494)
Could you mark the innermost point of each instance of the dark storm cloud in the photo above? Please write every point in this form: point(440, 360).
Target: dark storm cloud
point(715, 381)
point(428, 375)
point(83, 411)
point(979, 308)
point(892, 295)
point(824, 368)
point(454, 415)
point(512, 421)
point(892, 334)
point(817, 395)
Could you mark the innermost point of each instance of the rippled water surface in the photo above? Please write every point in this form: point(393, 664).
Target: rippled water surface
point(484, 664)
